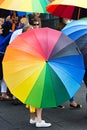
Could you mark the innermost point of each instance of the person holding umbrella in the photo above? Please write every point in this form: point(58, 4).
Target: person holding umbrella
point(35, 113)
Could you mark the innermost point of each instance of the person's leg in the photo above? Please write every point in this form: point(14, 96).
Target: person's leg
point(3, 87)
point(36, 117)
point(39, 114)
point(4, 91)
point(72, 99)
point(40, 122)
point(35, 114)
point(33, 117)
point(74, 104)
point(85, 77)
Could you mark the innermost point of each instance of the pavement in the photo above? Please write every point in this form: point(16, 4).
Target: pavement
point(16, 117)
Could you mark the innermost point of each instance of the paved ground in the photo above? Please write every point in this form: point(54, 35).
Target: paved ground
point(16, 117)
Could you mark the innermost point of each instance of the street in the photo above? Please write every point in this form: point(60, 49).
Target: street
point(16, 117)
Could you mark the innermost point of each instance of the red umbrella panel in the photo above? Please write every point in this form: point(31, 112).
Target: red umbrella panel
point(68, 9)
point(41, 67)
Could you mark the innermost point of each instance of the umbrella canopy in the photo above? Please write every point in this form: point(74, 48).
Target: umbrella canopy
point(71, 9)
point(41, 67)
point(82, 44)
point(76, 29)
point(25, 5)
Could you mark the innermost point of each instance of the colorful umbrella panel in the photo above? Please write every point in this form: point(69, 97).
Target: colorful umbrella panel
point(25, 5)
point(68, 9)
point(76, 29)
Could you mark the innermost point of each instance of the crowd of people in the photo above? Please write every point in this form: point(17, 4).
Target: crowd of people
point(17, 25)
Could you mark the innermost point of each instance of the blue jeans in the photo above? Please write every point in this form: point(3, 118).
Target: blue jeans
point(72, 99)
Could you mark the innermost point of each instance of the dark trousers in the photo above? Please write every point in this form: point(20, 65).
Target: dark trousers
point(1, 71)
point(85, 78)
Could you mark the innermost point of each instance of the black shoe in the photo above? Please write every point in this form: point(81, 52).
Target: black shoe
point(16, 102)
point(76, 107)
point(61, 106)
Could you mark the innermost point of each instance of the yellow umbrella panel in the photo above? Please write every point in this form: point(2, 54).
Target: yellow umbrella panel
point(25, 5)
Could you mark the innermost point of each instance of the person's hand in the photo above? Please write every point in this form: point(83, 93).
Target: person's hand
point(50, 0)
point(1, 21)
point(8, 18)
point(1, 30)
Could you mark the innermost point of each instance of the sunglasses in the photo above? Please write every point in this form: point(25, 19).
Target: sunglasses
point(36, 24)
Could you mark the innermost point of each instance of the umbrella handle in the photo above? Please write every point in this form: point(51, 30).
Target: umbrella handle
point(78, 16)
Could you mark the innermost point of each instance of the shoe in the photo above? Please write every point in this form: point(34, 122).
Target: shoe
point(16, 102)
point(43, 124)
point(5, 98)
point(78, 106)
point(33, 121)
point(61, 107)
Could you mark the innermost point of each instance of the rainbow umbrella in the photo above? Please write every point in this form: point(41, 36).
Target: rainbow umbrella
point(41, 67)
point(76, 29)
point(25, 5)
point(71, 9)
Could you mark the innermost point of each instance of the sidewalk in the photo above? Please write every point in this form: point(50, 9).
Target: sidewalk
point(16, 117)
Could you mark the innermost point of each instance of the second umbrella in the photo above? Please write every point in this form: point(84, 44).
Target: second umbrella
point(76, 29)
point(71, 9)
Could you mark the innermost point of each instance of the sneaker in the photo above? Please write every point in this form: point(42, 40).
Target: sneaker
point(43, 124)
point(33, 121)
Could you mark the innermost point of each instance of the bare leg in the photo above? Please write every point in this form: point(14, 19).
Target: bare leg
point(74, 104)
point(32, 112)
point(32, 115)
point(36, 118)
point(39, 114)
point(40, 122)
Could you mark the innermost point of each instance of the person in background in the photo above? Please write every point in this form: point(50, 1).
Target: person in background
point(14, 20)
point(4, 95)
point(35, 113)
point(36, 117)
point(72, 102)
point(35, 17)
point(35, 24)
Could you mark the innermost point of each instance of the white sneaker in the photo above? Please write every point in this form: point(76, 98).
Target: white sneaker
point(43, 124)
point(33, 121)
